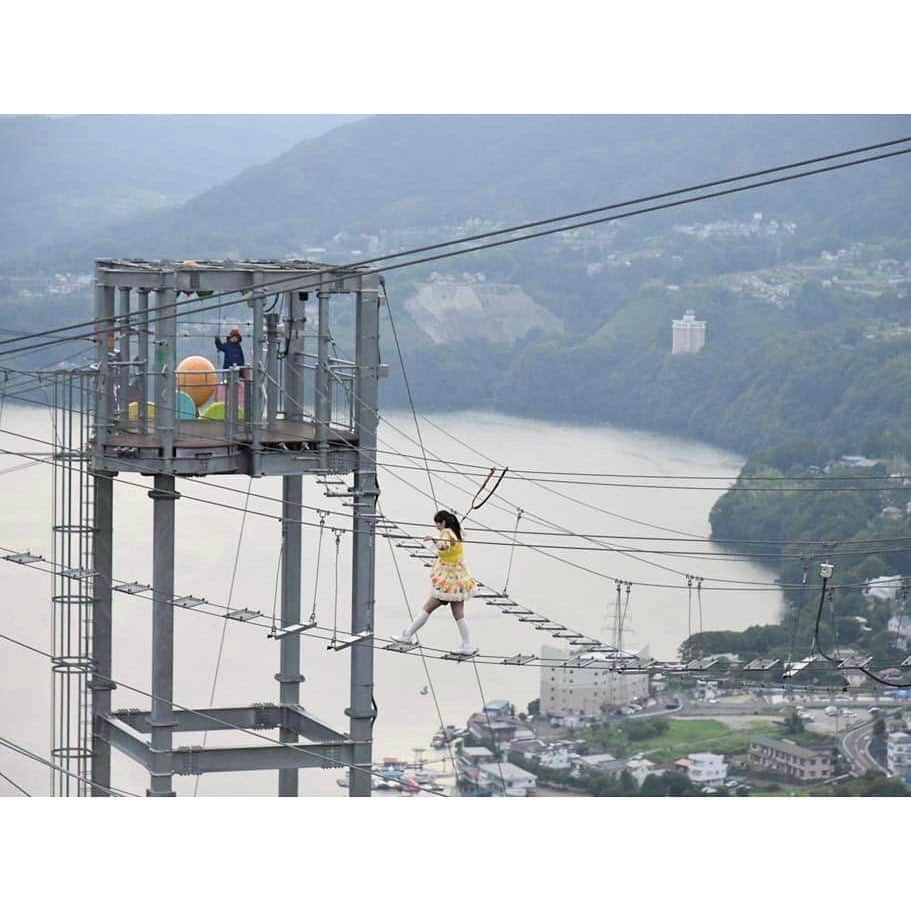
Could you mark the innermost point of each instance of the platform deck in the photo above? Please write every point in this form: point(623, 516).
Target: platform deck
point(201, 434)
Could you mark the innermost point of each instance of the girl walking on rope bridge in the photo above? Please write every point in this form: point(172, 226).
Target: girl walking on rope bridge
point(449, 582)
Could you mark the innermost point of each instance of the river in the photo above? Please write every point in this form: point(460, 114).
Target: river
point(207, 538)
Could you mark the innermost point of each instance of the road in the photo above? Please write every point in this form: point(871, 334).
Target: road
point(855, 745)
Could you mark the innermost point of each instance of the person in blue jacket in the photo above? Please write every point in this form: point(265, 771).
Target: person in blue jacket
point(232, 350)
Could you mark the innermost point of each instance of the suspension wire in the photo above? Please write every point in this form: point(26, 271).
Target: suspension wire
point(22, 751)
point(524, 474)
point(278, 573)
point(689, 608)
point(423, 493)
point(546, 522)
point(618, 622)
point(319, 551)
point(565, 496)
point(474, 500)
point(512, 551)
point(338, 540)
point(414, 415)
point(19, 788)
point(224, 626)
point(447, 741)
point(576, 534)
point(200, 714)
point(148, 596)
point(800, 603)
point(493, 736)
point(835, 647)
point(740, 585)
point(743, 483)
point(275, 283)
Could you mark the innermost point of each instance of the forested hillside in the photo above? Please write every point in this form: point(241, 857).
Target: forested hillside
point(397, 178)
point(63, 176)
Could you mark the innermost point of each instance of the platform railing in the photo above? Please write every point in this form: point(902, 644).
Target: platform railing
point(342, 374)
point(230, 404)
point(229, 391)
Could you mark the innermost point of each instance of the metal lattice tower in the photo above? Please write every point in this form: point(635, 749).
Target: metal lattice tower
point(289, 412)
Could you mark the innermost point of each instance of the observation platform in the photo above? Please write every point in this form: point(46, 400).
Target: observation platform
point(208, 447)
point(291, 406)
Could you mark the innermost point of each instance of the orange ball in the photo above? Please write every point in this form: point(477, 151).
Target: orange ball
point(197, 377)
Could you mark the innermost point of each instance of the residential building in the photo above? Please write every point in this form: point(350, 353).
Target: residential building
point(689, 334)
point(504, 779)
point(530, 748)
point(784, 757)
point(492, 729)
point(582, 691)
point(898, 755)
point(600, 764)
point(640, 769)
point(557, 758)
point(704, 769)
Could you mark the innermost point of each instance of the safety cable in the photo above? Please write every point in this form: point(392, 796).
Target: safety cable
point(740, 585)
point(414, 415)
point(338, 541)
point(512, 551)
point(147, 595)
point(493, 736)
point(19, 788)
point(275, 283)
point(22, 751)
point(446, 739)
point(200, 714)
point(319, 551)
point(224, 626)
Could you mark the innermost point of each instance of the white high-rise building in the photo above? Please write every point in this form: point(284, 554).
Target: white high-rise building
point(689, 334)
point(584, 690)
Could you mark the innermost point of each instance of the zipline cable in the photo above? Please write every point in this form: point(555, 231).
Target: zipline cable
point(273, 284)
point(224, 627)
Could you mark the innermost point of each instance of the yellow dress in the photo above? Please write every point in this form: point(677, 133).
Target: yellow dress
point(449, 579)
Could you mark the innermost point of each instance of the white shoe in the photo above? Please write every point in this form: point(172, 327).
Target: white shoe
point(403, 638)
point(465, 649)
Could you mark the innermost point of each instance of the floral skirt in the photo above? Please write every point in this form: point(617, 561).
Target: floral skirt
point(451, 582)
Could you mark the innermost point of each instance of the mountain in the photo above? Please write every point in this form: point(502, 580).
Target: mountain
point(388, 175)
point(62, 176)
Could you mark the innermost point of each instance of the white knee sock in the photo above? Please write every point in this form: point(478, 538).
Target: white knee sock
point(463, 631)
point(419, 621)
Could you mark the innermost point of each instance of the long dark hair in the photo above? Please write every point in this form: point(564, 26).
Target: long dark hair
point(449, 521)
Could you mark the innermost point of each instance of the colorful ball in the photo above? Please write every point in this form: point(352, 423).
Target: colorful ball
point(197, 377)
point(186, 407)
point(215, 411)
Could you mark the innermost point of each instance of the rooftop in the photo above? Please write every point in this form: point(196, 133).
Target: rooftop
point(788, 746)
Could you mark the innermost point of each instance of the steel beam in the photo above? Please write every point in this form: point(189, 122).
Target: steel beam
point(166, 366)
point(322, 387)
point(123, 335)
point(290, 669)
point(142, 354)
point(193, 761)
point(366, 490)
point(273, 381)
point(104, 345)
point(100, 683)
point(199, 760)
point(161, 717)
